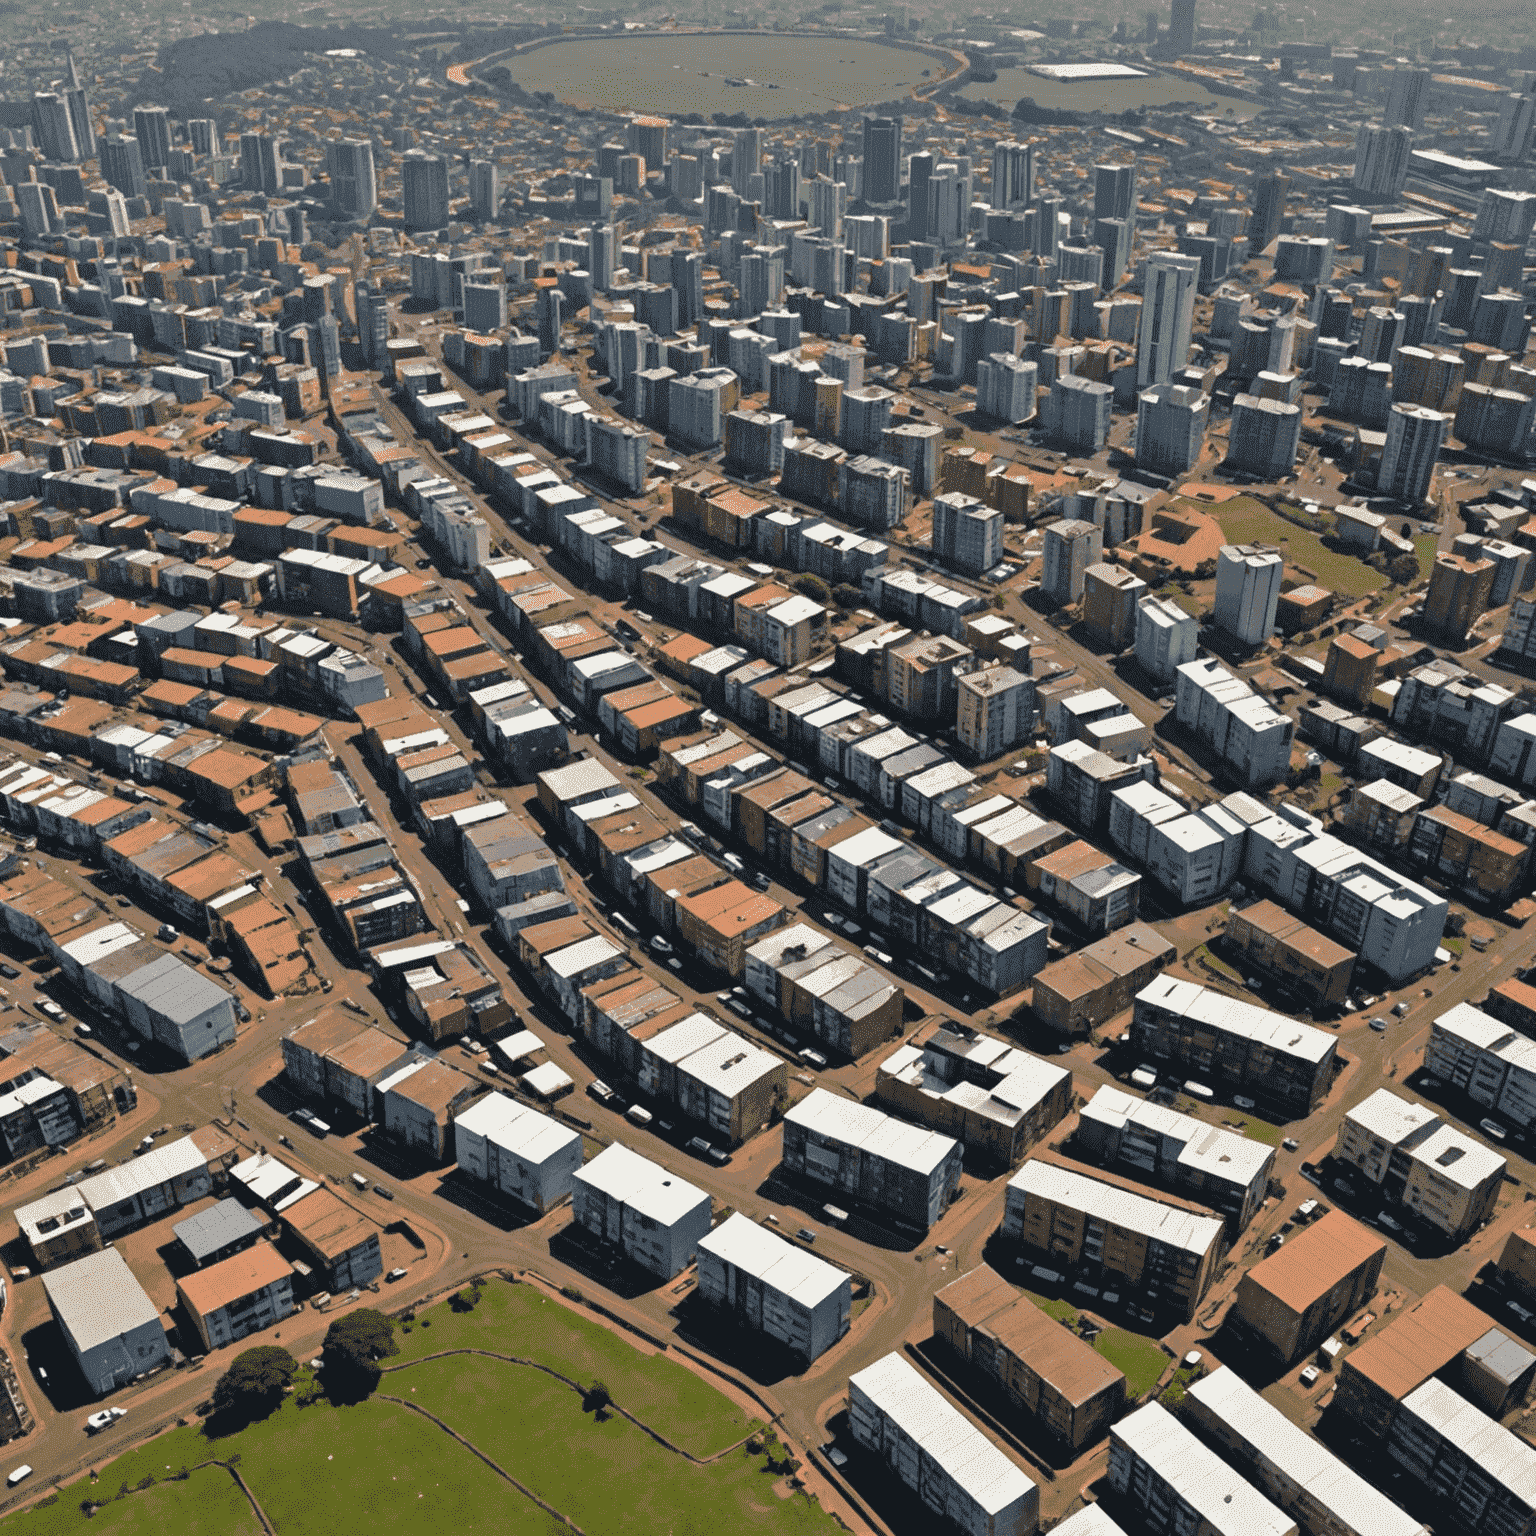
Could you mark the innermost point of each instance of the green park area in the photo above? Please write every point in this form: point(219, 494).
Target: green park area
point(1141, 1359)
point(1246, 520)
point(450, 1433)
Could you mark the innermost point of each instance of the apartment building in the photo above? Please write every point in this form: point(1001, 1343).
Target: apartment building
point(1178, 1485)
point(1295, 1471)
point(240, 1295)
point(1217, 1167)
point(846, 1147)
point(110, 1325)
point(775, 1288)
point(1214, 1037)
point(1266, 938)
point(1071, 1391)
point(1104, 1231)
point(516, 1151)
point(654, 1217)
point(1077, 993)
point(1488, 1061)
point(1292, 1300)
point(1441, 1176)
point(1250, 738)
point(994, 1098)
point(952, 1468)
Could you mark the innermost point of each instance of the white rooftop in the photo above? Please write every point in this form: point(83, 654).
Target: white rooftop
point(1109, 1203)
point(642, 1185)
point(755, 1251)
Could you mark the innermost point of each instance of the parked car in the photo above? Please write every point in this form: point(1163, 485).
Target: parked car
point(806, 1235)
point(1309, 1376)
point(20, 1474)
point(1290, 1144)
point(1383, 1219)
point(1379, 1025)
point(660, 945)
point(396, 1274)
point(103, 1420)
point(1494, 1129)
point(9, 972)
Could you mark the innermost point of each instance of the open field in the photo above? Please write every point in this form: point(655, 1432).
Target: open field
point(379, 1466)
point(784, 76)
point(1140, 1358)
point(1247, 521)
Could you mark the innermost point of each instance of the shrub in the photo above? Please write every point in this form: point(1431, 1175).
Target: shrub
point(572, 1293)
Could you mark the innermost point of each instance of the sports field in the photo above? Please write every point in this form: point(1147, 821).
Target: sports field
point(386, 1467)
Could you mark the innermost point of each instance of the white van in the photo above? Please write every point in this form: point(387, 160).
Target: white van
point(637, 1114)
point(22, 1472)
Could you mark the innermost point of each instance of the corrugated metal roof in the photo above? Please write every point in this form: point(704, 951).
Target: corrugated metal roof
point(97, 1298)
point(1502, 1457)
point(791, 1271)
point(642, 1185)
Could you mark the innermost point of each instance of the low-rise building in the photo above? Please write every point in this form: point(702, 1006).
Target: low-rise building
point(656, 1218)
point(223, 1230)
point(111, 1326)
point(991, 1096)
point(1079, 992)
point(1487, 1060)
point(1445, 1178)
point(842, 1145)
point(774, 1287)
point(517, 1151)
point(1291, 1301)
point(1177, 1485)
point(1206, 1033)
point(1267, 938)
point(952, 1468)
point(1305, 1479)
point(1070, 1389)
point(420, 1101)
point(237, 1296)
point(342, 1243)
point(1217, 1167)
point(1105, 1231)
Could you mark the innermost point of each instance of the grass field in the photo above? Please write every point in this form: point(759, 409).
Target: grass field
point(381, 1468)
point(1247, 521)
point(1140, 1358)
point(1062, 1311)
point(522, 1320)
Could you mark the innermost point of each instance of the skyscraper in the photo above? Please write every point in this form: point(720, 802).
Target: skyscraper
point(550, 315)
point(1505, 216)
point(1181, 29)
point(261, 162)
point(920, 173)
point(79, 110)
point(354, 186)
point(1167, 317)
point(484, 189)
point(746, 159)
point(152, 128)
point(51, 123)
point(783, 190)
point(1415, 436)
point(1381, 161)
point(1170, 427)
point(828, 201)
point(1114, 191)
point(688, 281)
point(600, 248)
point(647, 137)
point(949, 202)
point(1407, 96)
point(38, 207)
point(1517, 120)
point(882, 159)
point(122, 165)
point(204, 135)
point(424, 180)
point(1013, 174)
point(1269, 194)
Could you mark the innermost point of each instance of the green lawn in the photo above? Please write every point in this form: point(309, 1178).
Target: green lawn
point(1247, 521)
point(208, 1503)
point(1426, 544)
point(381, 1468)
point(521, 1320)
point(608, 1476)
point(1260, 1130)
point(1062, 1311)
point(1139, 1357)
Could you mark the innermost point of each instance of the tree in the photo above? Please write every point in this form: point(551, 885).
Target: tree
point(846, 595)
point(255, 1382)
point(812, 586)
point(353, 1347)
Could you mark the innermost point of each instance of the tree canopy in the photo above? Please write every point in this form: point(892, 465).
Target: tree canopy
point(354, 1345)
point(255, 1381)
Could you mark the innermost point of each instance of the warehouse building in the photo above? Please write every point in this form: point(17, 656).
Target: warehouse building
point(938, 1453)
point(774, 1287)
point(1077, 993)
point(993, 1097)
point(1102, 1227)
point(655, 1217)
point(1062, 1381)
point(1177, 1485)
point(1209, 1035)
point(517, 1151)
point(111, 1326)
point(1443, 1177)
point(1291, 1301)
point(1480, 1474)
point(1219, 1168)
point(1443, 1336)
point(1296, 1472)
point(238, 1296)
point(910, 1173)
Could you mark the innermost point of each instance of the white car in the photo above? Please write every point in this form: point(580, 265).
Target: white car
point(104, 1420)
point(1309, 1376)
